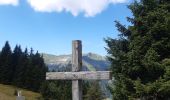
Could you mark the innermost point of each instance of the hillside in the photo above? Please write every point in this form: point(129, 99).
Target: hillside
point(7, 93)
point(91, 62)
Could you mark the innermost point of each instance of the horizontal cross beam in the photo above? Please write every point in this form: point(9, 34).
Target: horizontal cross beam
point(84, 75)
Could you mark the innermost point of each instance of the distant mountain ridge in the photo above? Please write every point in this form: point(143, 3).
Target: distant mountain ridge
point(91, 61)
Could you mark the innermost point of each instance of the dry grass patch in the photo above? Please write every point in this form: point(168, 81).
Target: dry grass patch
point(7, 93)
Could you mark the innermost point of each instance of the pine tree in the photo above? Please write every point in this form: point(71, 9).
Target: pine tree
point(58, 90)
point(5, 64)
point(140, 57)
point(93, 91)
point(35, 71)
point(38, 71)
point(21, 69)
point(16, 66)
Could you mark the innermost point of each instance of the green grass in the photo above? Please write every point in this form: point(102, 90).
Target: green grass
point(7, 93)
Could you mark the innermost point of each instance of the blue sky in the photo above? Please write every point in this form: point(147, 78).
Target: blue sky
point(49, 26)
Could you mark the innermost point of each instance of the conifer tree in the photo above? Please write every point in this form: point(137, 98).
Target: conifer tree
point(38, 71)
point(59, 90)
point(141, 56)
point(5, 64)
point(16, 56)
point(22, 69)
point(34, 71)
point(93, 91)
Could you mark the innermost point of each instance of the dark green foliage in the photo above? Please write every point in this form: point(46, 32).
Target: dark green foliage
point(16, 64)
point(61, 90)
point(21, 68)
point(92, 91)
point(56, 90)
point(140, 57)
point(37, 69)
point(5, 64)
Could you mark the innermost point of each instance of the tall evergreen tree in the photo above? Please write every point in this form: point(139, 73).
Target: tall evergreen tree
point(16, 56)
point(56, 90)
point(141, 56)
point(5, 64)
point(20, 76)
point(93, 91)
point(22, 69)
point(38, 70)
point(35, 71)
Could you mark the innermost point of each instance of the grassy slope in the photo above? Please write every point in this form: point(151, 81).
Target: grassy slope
point(7, 93)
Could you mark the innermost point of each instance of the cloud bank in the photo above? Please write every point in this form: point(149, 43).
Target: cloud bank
point(9, 2)
point(87, 7)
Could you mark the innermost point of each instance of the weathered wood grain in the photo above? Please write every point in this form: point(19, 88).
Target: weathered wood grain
point(76, 56)
point(76, 66)
point(86, 75)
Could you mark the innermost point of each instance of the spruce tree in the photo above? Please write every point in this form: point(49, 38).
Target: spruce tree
point(38, 71)
point(35, 71)
point(16, 65)
point(93, 91)
point(140, 58)
point(5, 64)
point(21, 69)
point(59, 90)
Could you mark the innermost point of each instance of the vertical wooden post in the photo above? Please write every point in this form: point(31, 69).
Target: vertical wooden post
point(76, 66)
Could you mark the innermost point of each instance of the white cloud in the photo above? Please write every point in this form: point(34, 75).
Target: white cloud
point(9, 2)
point(88, 7)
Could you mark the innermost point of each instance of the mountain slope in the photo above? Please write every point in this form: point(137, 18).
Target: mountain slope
point(91, 62)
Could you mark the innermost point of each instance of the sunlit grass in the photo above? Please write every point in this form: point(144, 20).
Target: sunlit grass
point(7, 93)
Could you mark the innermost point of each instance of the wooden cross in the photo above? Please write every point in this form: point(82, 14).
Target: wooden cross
point(76, 75)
